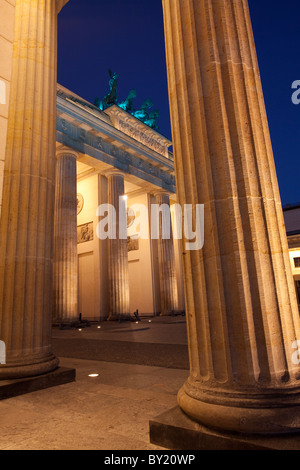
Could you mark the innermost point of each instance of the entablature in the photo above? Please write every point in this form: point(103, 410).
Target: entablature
point(91, 132)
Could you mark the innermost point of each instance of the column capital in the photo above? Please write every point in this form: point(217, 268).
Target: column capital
point(65, 151)
point(113, 172)
point(161, 193)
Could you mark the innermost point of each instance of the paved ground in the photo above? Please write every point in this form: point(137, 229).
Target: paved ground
point(160, 342)
point(140, 368)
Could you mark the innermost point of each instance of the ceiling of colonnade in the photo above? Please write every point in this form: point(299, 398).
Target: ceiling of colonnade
point(127, 37)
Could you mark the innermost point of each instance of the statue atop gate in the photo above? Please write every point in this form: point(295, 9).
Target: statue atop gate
point(111, 98)
point(144, 114)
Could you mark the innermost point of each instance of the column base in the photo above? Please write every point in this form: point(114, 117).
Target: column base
point(172, 313)
point(31, 369)
point(65, 321)
point(174, 430)
point(65, 325)
point(120, 317)
point(269, 412)
point(14, 388)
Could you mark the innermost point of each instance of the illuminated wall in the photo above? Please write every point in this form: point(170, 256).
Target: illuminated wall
point(292, 224)
point(92, 255)
point(295, 262)
point(141, 265)
point(7, 20)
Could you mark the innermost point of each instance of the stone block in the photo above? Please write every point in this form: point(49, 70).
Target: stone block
point(174, 430)
point(14, 388)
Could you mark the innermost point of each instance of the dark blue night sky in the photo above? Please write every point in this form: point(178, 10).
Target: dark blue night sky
point(127, 37)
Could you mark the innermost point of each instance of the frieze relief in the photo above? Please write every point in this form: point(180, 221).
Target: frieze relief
point(133, 244)
point(142, 137)
point(85, 233)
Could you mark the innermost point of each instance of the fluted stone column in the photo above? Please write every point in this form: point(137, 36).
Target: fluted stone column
point(118, 253)
point(241, 307)
point(103, 255)
point(26, 228)
point(65, 260)
point(166, 260)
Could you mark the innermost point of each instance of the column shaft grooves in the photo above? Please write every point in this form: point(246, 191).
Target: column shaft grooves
point(118, 255)
point(241, 308)
point(167, 270)
point(65, 264)
point(27, 219)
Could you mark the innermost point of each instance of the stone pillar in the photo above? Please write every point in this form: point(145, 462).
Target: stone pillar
point(118, 253)
point(103, 255)
point(241, 307)
point(26, 228)
point(65, 260)
point(166, 259)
